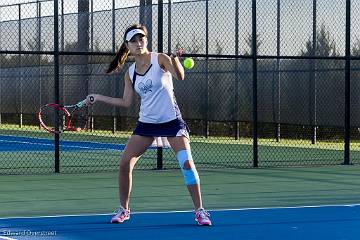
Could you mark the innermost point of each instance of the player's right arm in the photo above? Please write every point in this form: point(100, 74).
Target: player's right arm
point(125, 101)
point(172, 64)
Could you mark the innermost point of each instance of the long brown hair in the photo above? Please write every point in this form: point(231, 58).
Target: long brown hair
point(124, 51)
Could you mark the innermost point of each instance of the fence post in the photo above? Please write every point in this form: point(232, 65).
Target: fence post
point(236, 72)
point(91, 116)
point(38, 15)
point(115, 85)
point(56, 83)
point(160, 25)
point(83, 44)
point(61, 47)
point(169, 27)
point(278, 113)
point(0, 69)
point(312, 102)
point(347, 85)
point(21, 70)
point(207, 128)
point(146, 19)
point(160, 49)
point(254, 62)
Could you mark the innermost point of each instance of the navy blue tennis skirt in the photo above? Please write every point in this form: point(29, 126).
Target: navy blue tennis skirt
point(167, 129)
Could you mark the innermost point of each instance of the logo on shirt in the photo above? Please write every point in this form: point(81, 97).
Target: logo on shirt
point(145, 88)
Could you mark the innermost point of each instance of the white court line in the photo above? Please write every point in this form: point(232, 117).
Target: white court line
point(7, 238)
point(186, 211)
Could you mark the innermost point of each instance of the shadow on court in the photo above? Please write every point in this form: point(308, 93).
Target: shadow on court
point(322, 222)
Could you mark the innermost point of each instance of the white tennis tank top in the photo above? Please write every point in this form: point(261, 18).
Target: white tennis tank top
point(155, 87)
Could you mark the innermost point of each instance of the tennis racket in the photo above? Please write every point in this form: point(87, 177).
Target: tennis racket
point(70, 118)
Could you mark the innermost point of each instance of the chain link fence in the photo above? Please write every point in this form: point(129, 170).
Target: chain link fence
point(273, 84)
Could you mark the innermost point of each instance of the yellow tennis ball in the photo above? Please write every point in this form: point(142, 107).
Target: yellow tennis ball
point(188, 63)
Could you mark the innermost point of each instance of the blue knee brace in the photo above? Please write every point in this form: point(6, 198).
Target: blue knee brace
point(191, 176)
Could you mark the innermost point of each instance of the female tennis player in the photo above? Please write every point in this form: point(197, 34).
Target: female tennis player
point(151, 77)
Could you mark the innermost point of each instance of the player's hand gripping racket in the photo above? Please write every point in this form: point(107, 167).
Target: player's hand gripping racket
point(70, 118)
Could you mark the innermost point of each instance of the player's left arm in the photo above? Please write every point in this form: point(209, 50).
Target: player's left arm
point(172, 64)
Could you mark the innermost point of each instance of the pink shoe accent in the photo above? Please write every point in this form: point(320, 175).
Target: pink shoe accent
point(202, 217)
point(121, 215)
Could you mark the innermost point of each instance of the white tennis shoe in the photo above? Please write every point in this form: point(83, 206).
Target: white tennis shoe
point(121, 215)
point(202, 217)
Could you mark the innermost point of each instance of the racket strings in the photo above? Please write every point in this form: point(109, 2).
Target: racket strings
point(56, 118)
point(48, 119)
point(80, 119)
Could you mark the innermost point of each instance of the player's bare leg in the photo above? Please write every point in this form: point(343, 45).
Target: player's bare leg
point(181, 144)
point(135, 147)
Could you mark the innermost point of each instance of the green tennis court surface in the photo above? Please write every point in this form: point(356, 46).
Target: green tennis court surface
point(30, 195)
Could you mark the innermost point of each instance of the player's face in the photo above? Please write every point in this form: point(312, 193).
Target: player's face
point(138, 44)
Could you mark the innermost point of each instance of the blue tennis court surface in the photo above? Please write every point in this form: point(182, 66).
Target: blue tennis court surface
point(14, 143)
point(321, 222)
